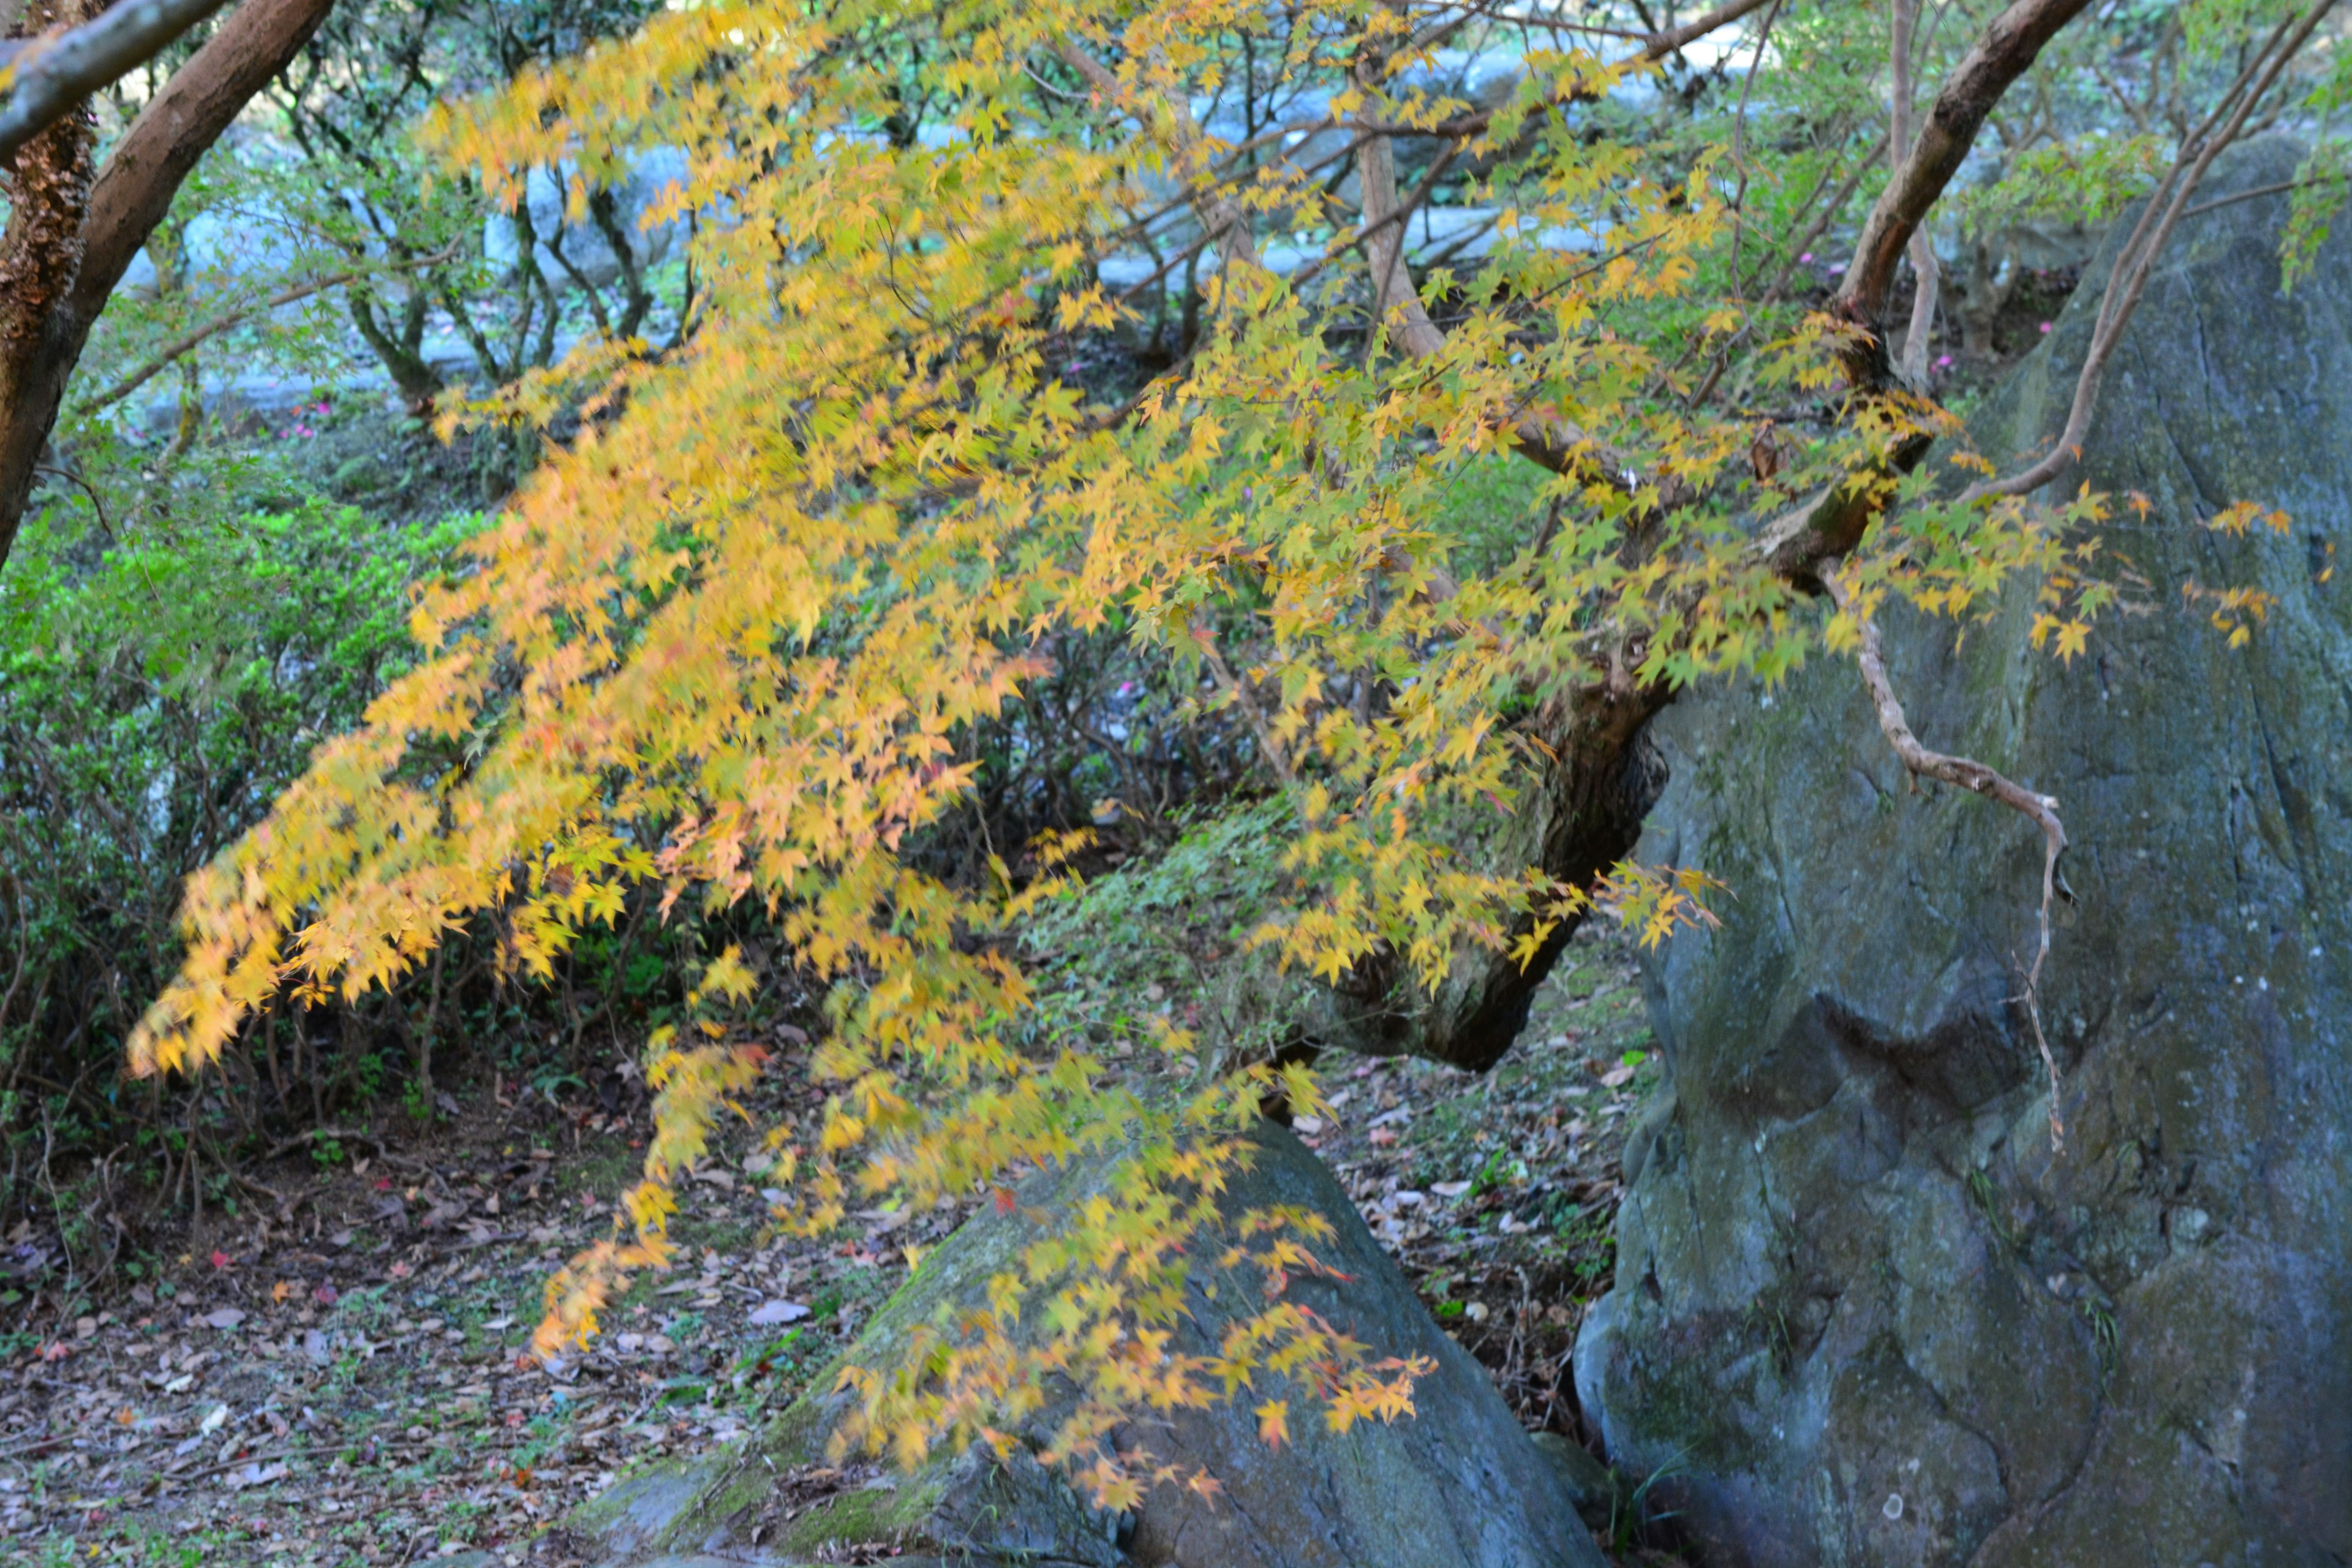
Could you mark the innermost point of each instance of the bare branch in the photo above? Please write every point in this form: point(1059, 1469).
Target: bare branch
point(48, 76)
point(2005, 52)
point(1922, 246)
point(1658, 46)
point(2234, 198)
point(143, 173)
point(1655, 46)
point(133, 191)
point(1962, 772)
point(1821, 221)
point(1268, 742)
point(2136, 262)
point(148, 369)
point(1219, 213)
point(1392, 292)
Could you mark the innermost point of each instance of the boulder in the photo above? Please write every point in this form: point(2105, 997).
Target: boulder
point(1458, 1483)
point(656, 176)
point(1865, 1313)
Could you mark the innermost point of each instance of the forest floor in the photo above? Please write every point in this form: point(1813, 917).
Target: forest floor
point(339, 1380)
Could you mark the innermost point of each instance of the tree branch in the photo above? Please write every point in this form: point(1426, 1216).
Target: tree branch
point(133, 191)
point(1924, 269)
point(1961, 772)
point(143, 173)
point(1658, 46)
point(1655, 46)
point(149, 368)
point(1219, 213)
point(48, 76)
point(1412, 332)
point(2005, 52)
point(2136, 262)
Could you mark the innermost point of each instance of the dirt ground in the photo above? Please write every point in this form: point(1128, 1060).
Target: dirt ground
point(339, 1378)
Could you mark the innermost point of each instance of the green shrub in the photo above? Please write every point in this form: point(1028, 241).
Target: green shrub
point(155, 694)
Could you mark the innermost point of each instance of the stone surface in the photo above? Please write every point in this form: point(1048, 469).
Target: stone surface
point(1457, 1484)
point(656, 177)
point(1864, 1313)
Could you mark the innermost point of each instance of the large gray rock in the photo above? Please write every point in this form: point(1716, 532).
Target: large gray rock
point(1458, 1484)
point(655, 177)
point(1864, 1315)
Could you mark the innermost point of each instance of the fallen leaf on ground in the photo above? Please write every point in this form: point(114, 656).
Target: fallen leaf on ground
point(770, 1313)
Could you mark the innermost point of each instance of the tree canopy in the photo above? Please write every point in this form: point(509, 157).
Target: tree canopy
point(926, 426)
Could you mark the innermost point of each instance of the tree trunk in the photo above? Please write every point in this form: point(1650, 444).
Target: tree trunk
point(71, 237)
point(40, 257)
point(1581, 819)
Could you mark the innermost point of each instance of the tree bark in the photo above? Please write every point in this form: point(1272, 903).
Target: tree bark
point(55, 75)
point(1580, 818)
point(41, 249)
point(2006, 51)
point(72, 238)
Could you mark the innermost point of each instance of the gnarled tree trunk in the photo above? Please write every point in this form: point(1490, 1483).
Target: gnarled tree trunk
point(71, 233)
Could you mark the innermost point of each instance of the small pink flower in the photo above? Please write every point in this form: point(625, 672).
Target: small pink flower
point(1836, 267)
point(1807, 257)
point(1943, 361)
point(2045, 326)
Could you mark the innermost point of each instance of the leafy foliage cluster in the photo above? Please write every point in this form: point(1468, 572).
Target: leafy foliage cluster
point(155, 696)
point(744, 642)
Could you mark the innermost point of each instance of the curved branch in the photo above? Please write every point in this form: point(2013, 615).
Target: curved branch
point(2006, 51)
point(139, 177)
point(133, 191)
point(49, 76)
point(2137, 260)
point(149, 368)
point(1655, 46)
point(1963, 773)
point(1219, 213)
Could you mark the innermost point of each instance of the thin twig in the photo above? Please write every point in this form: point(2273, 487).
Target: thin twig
point(2236, 197)
point(1739, 139)
point(24, 946)
point(338, 1135)
point(149, 369)
point(1268, 740)
point(2136, 261)
point(1963, 773)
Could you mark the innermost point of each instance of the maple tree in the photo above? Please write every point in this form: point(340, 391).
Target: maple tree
point(724, 643)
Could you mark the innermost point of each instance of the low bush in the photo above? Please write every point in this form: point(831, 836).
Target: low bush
point(156, 693)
